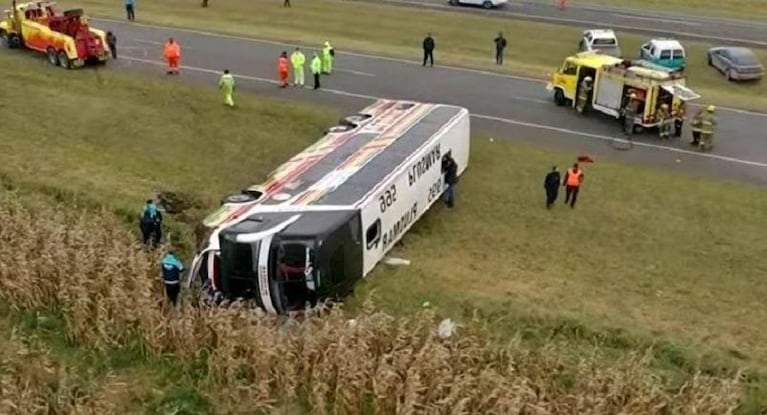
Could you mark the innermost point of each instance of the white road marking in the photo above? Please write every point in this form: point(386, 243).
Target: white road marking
point(387, 58)
point(486, 117)
point(152, 42)
point(355, 72)
point(657, 19)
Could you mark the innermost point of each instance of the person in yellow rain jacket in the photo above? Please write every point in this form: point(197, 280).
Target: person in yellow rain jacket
point(316, 70)
point(297, 60)
point(172, 55)
point(328, 55)
point(226, 85)
point(707, 124)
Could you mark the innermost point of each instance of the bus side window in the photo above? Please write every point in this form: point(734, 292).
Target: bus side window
point(373, 234)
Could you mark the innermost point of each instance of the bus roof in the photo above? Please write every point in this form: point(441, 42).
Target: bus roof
point(594, 59)
point(343, 168)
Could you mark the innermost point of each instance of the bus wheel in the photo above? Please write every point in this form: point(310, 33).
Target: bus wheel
point(238, 198)
point(638, 129)
point(64, 60)
point(559, 98)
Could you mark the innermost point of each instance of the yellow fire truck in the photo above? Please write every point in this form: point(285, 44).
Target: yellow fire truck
point(614, 80)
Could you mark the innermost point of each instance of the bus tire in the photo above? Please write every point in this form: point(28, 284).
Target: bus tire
point(637, 129)
point(238, 198)
point(354, 120)
point(64, 61)
point(339, 129)
point(559, 97)
point(487, 4)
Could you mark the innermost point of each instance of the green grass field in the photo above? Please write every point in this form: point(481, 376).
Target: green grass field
point(646, 256)
point(462, 39)
point(737, 9)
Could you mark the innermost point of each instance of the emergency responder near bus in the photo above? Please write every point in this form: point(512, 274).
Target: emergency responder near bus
point(328, 55)
point(664, 122)
point(316, 67)
point(282, 68)
point(172, 56)
point(171, 276)
point(226, 85)
point(151, 223)
point(584, 91)
point(630, 113)
point(112, 43)
point(707, 124)
point(696, 119)
point(298, 60)
point(572, 184)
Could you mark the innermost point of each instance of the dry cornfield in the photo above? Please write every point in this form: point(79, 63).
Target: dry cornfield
point(89, 269)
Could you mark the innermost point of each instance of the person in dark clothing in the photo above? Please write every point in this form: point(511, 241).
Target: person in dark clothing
point(204, 3)
point(130, 9)
point(151, 223)
point(500, 45)
point(572, 184)
point(450, 170)
point(551, 184)
point(171, 276)
point(112, 43)
point(286, 3)
point(428, 50)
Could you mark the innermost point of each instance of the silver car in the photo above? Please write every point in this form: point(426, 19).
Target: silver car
point(736, 63)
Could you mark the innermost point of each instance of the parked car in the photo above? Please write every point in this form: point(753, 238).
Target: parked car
point(603, 40)
point(736, 63)
point(487, 4)
point(664, 52)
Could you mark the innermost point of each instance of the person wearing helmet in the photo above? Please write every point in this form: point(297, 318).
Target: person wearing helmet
point(584, 92)
point(707, 124)
point(630, 113)
point(664, 122)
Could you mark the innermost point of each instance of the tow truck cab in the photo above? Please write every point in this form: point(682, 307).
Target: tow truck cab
point(287, 260)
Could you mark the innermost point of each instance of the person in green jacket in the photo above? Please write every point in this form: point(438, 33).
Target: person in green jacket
point(226, 85)
point(297, 60)
point(316, 70)
point(328, 55)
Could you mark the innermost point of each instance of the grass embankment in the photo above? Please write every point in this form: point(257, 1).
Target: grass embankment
point(737, 9)
point(535, 49)
point(631, 264)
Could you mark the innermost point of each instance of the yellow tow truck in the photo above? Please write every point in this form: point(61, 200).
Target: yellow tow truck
point(615, 79)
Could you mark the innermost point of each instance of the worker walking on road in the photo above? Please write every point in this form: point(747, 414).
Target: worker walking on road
point(629, 114)
point(130, 9)
point(316, 67)
point(572, 184)
point(282, 69)
point(112, 44)
point(172, 56)
point(298, 60)
point(428, 49)
point(171, 276)
point(551, 185)
point(707, 124)
point(584, 92)
point(328, 56)
point(664, 122)
point(226, 85)
point(500, 46)
point(151, 224)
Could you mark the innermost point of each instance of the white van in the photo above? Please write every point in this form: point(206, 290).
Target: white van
point(603, 40)
point(668, 53)
point(324, 219)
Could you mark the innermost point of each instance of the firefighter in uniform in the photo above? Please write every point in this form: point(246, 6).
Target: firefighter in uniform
point(696, 119)
point(707, 124)
point(664, 120)
point(629, 113)
point(678, 112)
point(583, 94)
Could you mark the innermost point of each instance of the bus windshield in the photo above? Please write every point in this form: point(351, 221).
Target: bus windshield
point(293, 271)
point(238, 268)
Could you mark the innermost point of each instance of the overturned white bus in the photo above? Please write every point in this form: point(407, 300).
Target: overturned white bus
point(325, 218)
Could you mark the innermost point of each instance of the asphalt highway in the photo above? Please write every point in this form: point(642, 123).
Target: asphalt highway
point(705, 29)
point(502, 106)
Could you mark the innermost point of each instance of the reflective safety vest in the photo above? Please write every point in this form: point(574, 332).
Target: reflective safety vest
point(172, 50)
point(574, 177)
point(283, 64)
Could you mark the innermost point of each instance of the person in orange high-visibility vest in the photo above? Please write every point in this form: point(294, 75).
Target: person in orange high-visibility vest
point(282, 68)
point(172, 56)
point(572, 183)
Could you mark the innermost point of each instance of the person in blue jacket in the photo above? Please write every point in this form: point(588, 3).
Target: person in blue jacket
point(151, 223)
point(171, 276)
